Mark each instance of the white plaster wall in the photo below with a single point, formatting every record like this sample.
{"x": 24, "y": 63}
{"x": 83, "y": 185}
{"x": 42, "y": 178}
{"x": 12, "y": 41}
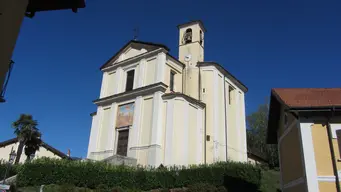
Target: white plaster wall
{"x": 42, "y": 152}
{"x": 213, "y": 83}
{"x": 207, "y": 97}
{"x": 179, "y": 139}
{"x": 111, "y": 83}
{"x": 145, "y": 131}
{"x": 193, "y": 139}
{"x": 150, "y": 71}
{"x": 104, "y": 129}
{"x": 177, "y": 78}
{"x": 132, "y": 53}
{"x": 93, "y": 136}
{"x": 5, "y": 151}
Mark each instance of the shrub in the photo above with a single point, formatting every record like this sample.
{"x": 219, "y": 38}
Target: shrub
{"x": 46, "y": 171}
{"x": 202, "y": 187}
{"x": 13, "y": 169}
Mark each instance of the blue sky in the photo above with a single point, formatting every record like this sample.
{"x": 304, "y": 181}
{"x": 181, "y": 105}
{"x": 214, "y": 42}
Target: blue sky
{"x": 264, "y": 43}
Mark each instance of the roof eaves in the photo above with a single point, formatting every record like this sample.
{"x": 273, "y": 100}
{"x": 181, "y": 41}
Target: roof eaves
{"x": 193, "y": 21}
{"x": 225, "y": 72}
{"x": 8, "y": 142}
{"x": 188, "y": 98}
{"x": 54, "y": 150}
{"x": 126, "y": 45}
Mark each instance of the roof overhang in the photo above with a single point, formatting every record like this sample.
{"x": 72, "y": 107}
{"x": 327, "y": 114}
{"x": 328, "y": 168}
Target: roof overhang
{"x": 152, "y": 46}
{"x": 49, "y": 5}
{"x": 186, "y": 97}
{"x": 238, "y": 83}
{"x": 328, "y": 113}
{"x": 193, "y": 22}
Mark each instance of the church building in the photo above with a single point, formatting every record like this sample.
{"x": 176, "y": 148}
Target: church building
{"x": 157, "y": 109}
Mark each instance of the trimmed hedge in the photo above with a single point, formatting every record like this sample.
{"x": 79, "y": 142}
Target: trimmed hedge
{"x": 13, "y": 170}
{"x": 93, "y": 174}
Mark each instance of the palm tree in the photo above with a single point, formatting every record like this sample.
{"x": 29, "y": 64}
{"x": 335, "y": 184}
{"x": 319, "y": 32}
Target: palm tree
{"x": 28, "y": 135}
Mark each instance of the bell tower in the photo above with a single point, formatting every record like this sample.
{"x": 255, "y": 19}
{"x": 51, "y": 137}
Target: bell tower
{"x": 191, "y": 42}
{"x": 191, "y": 51}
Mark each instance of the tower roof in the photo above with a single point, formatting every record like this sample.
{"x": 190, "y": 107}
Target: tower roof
{"x": 193, "y": 22}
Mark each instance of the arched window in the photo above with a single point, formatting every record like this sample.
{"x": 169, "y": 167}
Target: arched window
{"x": 188, "y": 36}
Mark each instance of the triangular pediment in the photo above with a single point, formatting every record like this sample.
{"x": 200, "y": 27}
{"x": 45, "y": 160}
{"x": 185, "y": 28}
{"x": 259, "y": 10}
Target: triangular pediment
{"x": 133, "y": 49}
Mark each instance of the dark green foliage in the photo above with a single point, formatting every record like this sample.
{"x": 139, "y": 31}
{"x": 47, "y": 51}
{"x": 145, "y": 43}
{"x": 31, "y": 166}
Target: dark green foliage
{"x": 257, "y": 124}
{"x": 92, "y": 174}
{"x": 270, "y": 181}
{"x": 202, "y": 187}
{"x": 28, "y": 134}
{"x": 13, "y": 169}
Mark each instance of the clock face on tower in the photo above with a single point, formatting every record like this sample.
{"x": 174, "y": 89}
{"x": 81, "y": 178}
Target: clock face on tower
{"x": 188, "y": 57}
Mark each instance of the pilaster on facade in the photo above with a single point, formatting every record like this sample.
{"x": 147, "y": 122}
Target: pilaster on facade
{"x": 93, "y": 136}
{"x": 200, "y": 137}
{"x": 186, "y": 134}
{"x": 141, "y": 73}
{"x": 134, "y": 135}
{"x": 243, "y": 141}
{"x": 226, "y": 116}
{"x": 168, "y": 159}
{"x": 238, "y": 123}
{"x": 104, "y": 85}
{"x": 224, "y": 120}
{"x": 112, "y": 128}
{"x": 216, "y": 144}
{"x": 160, "y": 67}
{"x": 118, "y": 80}
{"x": 154, "y": 155}
{"x": 308, "y": 156}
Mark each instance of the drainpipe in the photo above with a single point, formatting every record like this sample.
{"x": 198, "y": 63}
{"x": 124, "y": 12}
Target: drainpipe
{"x": 225, "y": 118}
{"x": 331, "y": 146}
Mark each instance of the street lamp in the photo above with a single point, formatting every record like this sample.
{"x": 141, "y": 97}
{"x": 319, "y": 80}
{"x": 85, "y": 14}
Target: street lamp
{"x": 12, "y": 156}
{"x": 32, "y": 156}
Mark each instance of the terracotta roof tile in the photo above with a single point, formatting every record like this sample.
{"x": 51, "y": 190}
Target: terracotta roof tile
{"x": 309, "y": 97}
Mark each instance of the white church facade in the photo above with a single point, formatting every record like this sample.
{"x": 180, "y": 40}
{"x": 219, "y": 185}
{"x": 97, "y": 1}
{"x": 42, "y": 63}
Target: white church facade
{"x": 157, "y": 109}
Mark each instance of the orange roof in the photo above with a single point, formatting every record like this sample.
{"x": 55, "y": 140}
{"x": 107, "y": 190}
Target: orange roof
{"x": 299, "y": 99}
{"x": 309, "y": 97}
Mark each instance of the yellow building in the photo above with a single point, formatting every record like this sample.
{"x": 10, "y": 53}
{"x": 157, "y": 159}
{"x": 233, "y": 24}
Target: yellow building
{"x": 156, "y": 109}
{"x": 306, "y": 125}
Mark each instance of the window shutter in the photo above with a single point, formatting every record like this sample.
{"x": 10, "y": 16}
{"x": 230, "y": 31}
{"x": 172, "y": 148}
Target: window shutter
{"x": 338, "y": 135}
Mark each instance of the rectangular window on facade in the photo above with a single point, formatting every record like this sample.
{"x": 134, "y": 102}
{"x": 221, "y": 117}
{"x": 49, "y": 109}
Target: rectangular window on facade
{"x": 171, "y": 79}
{"x": 130, "y": 80}
{"x": 338, "y": 135}
{"x": 122, "y": 142}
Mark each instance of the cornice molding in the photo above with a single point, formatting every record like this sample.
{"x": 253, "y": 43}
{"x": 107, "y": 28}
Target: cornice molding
{"x": 142, "y": 91}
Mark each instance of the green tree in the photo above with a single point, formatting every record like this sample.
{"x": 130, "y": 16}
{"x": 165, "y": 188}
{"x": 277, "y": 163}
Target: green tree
{"x": 257, "y": 123}
{"x": 28, "y": 136}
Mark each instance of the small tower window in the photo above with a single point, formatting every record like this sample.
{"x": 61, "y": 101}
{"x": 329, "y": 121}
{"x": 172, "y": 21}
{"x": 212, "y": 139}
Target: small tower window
{"x": 188, "y": 36}
{"x": 201, "y": 37}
